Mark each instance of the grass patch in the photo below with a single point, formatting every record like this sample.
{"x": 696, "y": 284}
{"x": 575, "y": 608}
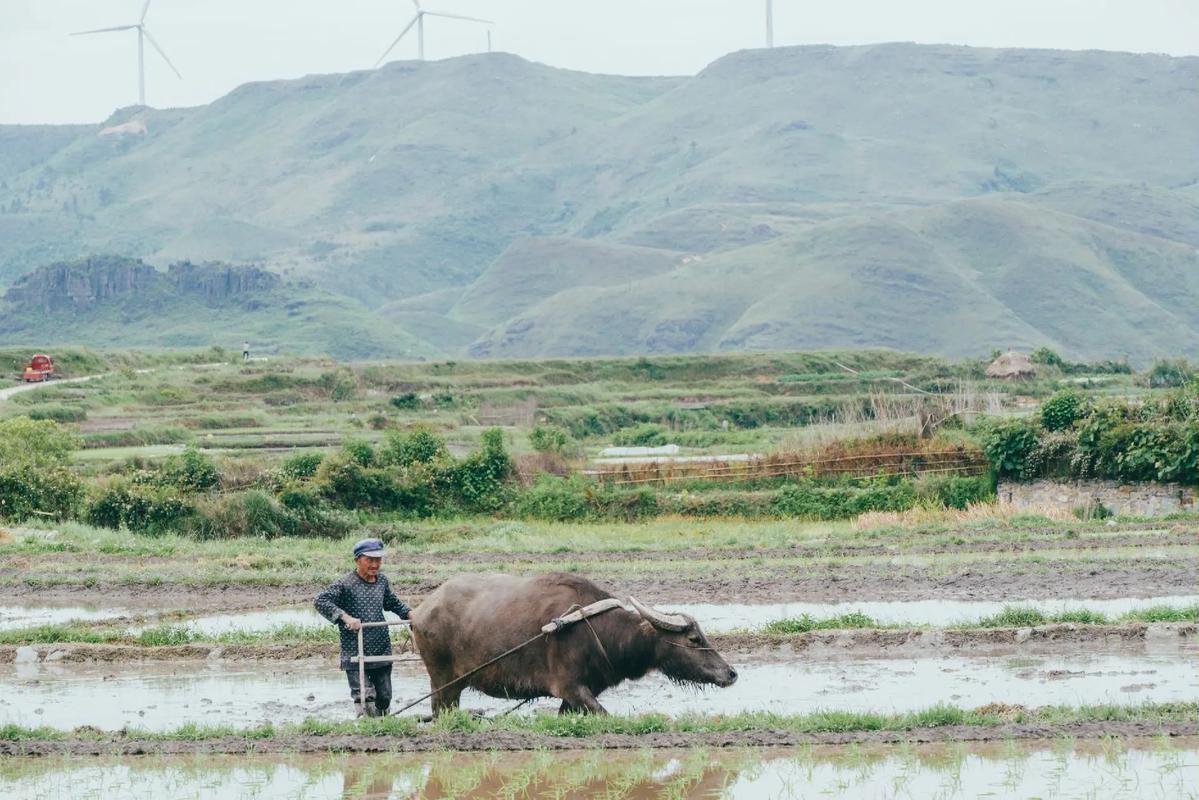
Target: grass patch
{"x": 580, "y": 725}
{"x": 806, "y": 623}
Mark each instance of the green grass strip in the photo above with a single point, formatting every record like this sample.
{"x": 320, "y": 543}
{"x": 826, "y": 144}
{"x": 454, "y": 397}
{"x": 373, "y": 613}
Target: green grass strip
{"x": 581, "y": 725}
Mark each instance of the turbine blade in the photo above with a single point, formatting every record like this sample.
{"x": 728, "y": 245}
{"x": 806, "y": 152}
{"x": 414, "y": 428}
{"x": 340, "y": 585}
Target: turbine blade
{"x": 145, "y": 8}
{"x": 391, "y": 46}
{"x": 105, "y": 30}
{"x": 154, "y": 44}
{"x": 417, "y": 4}
{"x": 459, "y": 16}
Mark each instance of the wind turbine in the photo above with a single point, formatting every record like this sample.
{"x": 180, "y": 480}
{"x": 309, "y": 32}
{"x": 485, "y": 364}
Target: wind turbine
{"x": 770, "y": 23}
{"x": 143, "y": 35}
{"x": 419, "y": 22}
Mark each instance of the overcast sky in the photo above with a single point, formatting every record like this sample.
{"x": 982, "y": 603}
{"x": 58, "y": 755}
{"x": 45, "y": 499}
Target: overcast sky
{"x": 47, "y": 76}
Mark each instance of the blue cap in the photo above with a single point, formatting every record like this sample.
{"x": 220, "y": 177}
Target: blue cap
{"x": 372, "y": 548}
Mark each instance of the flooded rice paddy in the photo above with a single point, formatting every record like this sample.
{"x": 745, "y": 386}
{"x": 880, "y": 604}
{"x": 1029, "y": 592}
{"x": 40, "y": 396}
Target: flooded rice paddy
{"x": 1141, "y": 770}
{"x": 727, "y": 617}
{"x": 160, "y": 696}
{"x": 713, "y": 618}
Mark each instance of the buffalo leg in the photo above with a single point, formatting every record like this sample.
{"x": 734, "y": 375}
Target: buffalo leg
{"x": 580, "y": 700}
{"x": 447, "y": 698}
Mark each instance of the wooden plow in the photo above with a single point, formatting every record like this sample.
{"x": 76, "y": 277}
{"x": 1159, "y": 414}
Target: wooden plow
{"x": 407, "y": 654}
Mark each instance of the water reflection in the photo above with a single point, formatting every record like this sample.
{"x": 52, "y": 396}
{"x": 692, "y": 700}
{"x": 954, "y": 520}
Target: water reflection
{"x": 1143, "y": 769}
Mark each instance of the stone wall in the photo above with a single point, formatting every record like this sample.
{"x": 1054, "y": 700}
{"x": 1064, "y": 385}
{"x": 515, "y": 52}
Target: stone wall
{"x": 1133, "y": 499}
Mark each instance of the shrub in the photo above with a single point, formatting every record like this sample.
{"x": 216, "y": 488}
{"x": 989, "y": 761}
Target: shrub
{"x": 36, "y": 443}
{"x": 346, "y": 482}
{"x": 341, "y": 385}
{"x": 409, "y": 401}
{"x": 576, "y": 499}
{"x": 419, "y": 446}
{"x": 551, "y": 439}
{"x": 27, "y": 491}
{"x": 557, "y": 500}
{"x": 190, "y": 471}
{"x": 301, "y": 467}
{"x": 1008, "y": 444}
{"x": 1167, "y": 373}
{"x": 809, "y": 500}
{"x": 1060, "y": 411}
{"x": 359, "y": 451}
{"x": 480, "y": 476}
{"x": 1043, "y": 355}
{"x": 142, "y": 509}
{"x": 956, "y": 491}
{"x": 256, "y": 513}
{"x": 648, "y": 434}
{"x": 59, "y": 413}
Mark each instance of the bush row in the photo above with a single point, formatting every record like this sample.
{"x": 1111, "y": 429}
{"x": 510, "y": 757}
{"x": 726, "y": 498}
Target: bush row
{"x": 1118, "y": 440}
{"x": 575, "y": 499}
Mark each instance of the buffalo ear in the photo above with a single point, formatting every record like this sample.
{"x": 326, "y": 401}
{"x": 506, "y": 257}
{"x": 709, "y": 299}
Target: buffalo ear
{"x": 666, "y": 622}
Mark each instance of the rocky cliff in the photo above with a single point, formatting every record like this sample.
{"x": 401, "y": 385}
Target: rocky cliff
{"x": 82, "y": 285}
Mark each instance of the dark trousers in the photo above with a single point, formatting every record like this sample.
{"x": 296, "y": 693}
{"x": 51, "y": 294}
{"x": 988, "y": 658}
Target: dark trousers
{"x": 378, "y": 686}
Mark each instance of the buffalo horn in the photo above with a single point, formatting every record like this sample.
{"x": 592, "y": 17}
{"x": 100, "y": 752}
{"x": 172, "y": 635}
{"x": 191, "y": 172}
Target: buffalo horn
{"x": 667, "y": 622}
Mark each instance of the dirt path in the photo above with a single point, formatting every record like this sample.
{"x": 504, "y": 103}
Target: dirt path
{"x": 732, "y": 580}
{"x": 29, "y": 387}
{"x": 511, "y": 741}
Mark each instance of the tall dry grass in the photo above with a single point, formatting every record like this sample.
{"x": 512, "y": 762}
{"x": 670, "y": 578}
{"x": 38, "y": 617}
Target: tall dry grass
{"x": 997, "y": 512}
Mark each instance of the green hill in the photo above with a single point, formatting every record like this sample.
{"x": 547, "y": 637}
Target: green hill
{"x": 937, "y": 198}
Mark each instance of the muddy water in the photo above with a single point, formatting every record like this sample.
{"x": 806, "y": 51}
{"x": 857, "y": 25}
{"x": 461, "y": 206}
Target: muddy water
{"x": 727, "y": 617}
{"x": 1144, "y": 771}
{"x": 161, "y": 697}
{"x": 12, "y": 617}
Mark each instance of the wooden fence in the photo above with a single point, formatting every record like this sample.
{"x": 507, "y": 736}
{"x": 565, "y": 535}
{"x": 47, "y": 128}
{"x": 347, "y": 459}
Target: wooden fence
{"x": 958, "y": 461}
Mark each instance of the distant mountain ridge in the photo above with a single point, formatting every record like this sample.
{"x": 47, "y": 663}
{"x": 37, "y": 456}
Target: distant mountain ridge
{"x": 933, "y": 198}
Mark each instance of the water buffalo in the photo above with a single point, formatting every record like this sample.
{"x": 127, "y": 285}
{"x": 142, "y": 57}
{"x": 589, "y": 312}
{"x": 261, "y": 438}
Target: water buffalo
{"x": 470, "y": 619}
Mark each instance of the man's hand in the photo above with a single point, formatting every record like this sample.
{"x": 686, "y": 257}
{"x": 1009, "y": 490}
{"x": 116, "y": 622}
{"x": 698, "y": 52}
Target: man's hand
{"x": 351, "y": 623}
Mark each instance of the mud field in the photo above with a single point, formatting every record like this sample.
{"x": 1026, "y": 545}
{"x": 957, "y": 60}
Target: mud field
{"x": 124, "y": 699}
{"x": 737, "y": 576}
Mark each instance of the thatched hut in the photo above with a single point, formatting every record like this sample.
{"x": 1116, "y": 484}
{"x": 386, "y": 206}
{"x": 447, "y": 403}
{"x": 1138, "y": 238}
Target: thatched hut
{"x": 1012, "y": 366}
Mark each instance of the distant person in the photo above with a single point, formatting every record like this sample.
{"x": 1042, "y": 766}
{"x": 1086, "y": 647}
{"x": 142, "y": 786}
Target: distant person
{"x": 245, "y": 351}
{"x": 362, "y": 595}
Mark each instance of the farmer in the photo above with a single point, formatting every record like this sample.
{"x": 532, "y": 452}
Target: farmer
{"x": 245, "y": 351}
{"x": 362, "y": 595}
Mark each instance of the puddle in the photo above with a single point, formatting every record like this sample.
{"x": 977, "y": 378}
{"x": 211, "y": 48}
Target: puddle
{"x": 1144, "y": 771}
{"x": 13, "y": 617}
{"x": 161, "y": 697}
{"x": 722, "y": 618}
{"x": 251, "y": 621}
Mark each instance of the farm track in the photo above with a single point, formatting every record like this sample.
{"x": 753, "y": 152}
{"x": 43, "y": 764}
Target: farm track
{"x": 821, "y": 550}
{"x": 514, "y": 741}
{"x": 855, "y": 643}
{"x": 815, "y": 551}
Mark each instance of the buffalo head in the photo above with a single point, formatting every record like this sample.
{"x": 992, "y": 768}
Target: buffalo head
{"x": 682, "y": 652}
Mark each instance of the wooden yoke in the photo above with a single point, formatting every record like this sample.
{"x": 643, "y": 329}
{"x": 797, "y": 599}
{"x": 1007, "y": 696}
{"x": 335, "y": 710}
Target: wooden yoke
{"x": 580, "y": 614}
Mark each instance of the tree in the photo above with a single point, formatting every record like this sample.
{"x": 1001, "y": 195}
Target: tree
{"x": 43, "y": 443}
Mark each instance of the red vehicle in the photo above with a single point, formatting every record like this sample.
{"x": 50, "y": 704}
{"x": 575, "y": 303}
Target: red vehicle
{"x": 40, "y": 368}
